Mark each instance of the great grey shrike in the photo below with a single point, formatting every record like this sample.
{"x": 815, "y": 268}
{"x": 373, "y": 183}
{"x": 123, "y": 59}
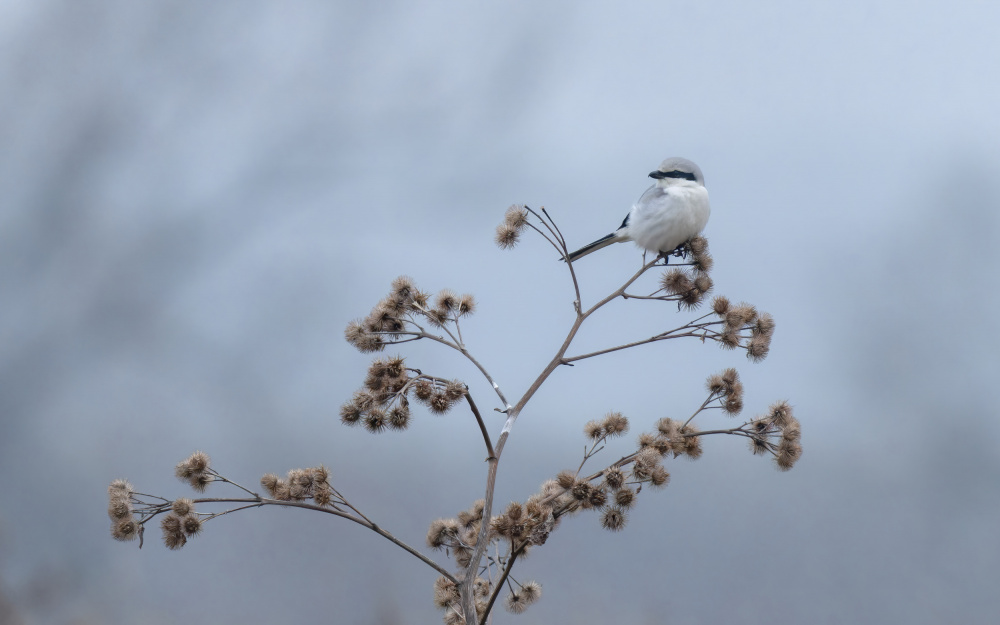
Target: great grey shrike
{"x": 669, "y": 213}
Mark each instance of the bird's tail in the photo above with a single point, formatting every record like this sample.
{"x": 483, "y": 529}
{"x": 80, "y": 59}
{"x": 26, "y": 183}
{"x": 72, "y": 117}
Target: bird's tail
{"x": 596, "y": 245}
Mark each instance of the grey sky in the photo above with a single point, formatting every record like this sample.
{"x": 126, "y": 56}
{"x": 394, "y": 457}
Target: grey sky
{"x": 198, "y": 197}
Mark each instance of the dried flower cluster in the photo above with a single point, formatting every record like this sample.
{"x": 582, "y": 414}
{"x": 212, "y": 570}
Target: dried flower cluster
{"x": 124, "y": 525}
{"x": 397, "y": 317}
{"x": 384, "y": 400}
{"x": 303, "y": 484}
{"x": 743, "y": 326}
{"x": 509, "y": 230}
{"x": 181, "y": 523}
{"x": 196, "y": 471}
{"x": 778, "y": 433}
{"x": 688, "y": 287}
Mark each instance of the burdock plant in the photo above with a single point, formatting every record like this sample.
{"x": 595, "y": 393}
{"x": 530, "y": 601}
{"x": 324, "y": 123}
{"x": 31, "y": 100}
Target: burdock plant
{"x": 486, "y": 540}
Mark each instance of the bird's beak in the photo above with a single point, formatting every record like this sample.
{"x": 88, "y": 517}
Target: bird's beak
{"x": 657, "y": 174}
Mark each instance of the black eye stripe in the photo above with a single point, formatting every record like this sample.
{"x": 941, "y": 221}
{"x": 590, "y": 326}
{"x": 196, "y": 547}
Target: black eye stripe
{"x": 674, "y": 174}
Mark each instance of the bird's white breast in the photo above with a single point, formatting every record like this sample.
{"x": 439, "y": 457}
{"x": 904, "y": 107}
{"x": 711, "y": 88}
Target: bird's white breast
{"x": 665, "y": 217}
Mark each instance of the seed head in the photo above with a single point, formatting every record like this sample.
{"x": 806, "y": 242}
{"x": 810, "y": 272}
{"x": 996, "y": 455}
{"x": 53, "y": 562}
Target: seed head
{"x": 733, "y": 405}
{"x": 466, "y": 305}
{"x": 676, "y": 282}
{"x": 515, "y": 603}
{"x": 507, "y": 236}
{"x": 120, "y": 489}
{"x": 270, "y": 483}
{"x": 780, "y": 413}
{"x": 788, "y": 454}
{"x": 399, "y": 417}
{"x": 697, "y": 245}
{"x": 376, "y": 420}
{"x": 659, "y": 476}
{"x": 173, "y": 534}
{"x": 322, "y": 494}
{"x": 614, "y": 477}
{"x": 764, "y": 326}
{"x": 191, "y": 525}
{"x": 668, "y": 427}
{"x": 625, "y": 498}
{"x": 455, "y": 390}
{"x": 614, "y": 519}
{"x": 423, "y": 389}
{"x": 758, "y": 347}
{"x": 741, "y": 315}
{"x": 597, "y": 497}
{"x": 593, "y": 430}
{"x": 182, "y": 506}
{"x": 720, "y": 305}
{"x": 615, "y": 424}
{"x": 729, "y": 338}
{"x": 125, "y": 529}
{"x": 439, "y": 403}
{"x": 196, "y": 463}
{"x": 441, "y": 533}
{"x": 692, "y": 444}
{"x": 119, "y": 509}
{"x": 403, "y": 288}
{"x": 566, "y": 479}
{"x": 445, "y": 592}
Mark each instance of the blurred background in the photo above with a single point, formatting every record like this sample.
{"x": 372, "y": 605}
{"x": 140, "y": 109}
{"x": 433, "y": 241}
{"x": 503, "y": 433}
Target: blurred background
{"x": 197, "y": 197}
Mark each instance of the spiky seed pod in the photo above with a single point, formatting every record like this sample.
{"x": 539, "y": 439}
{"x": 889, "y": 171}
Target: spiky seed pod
{"x": 395, "y": 366}
{"x": 445, "y": 592}
{"x": 200, "y": 481}
{"x": 729, "y": 338}
{"x": 376, "y": 421}
{"x": 501, "y": 525}
{"x": 597, "y": 498}
{"x": 321, "y": 473}
{"x": 614, "y": 519}
{"x": 702, "y": 263}
{"x": 446, "y": 301}
{"x": 364, "y": 399}
{"x": 453, "y": 616}
{"x": 625, "y": 498}
{"x": 692, "y": 443}
{"x": 282, "y": 491}
{"x": 462, "y": 555}
{"x": 733, "y": 405}
{"x": 788, "y": 453}
{"x": 792, "y": 431}
{"x": 507, "y": 236}
{"x": 614, "y": 477}
{"x": 455, "y": 390}
{"x": 566, "y": 479}
{"x": 593, "y": 430}
{"x": 676, "y": 282}
{"x": 119, "y": 509}
{"x": 399, "y": 417}
{"x": 515, "y": 603}
{"x": 323, "y": 494}
{"x": 668, "y": 427}
{"x": 641, "y": 469}
{"x": 780, "y": 413}
{"x": 758, "y": 347}
{"x": 403, "y": 287}
{"x": 439, "y": 403}
{"x": 125, "y": 529}
{"x": 661, "y": 445}
{"x": 703, "y": 284}
{"x": 741, "y": 315}
{"x": 659, "y": 476}
{"x": 481, "y": 588}
{"x": 581, "y": 491}
{"x": 516, "y": 216}
{"x": 120, "y": 489}
{"x": 720, "y": 305}
{"x": 646, "y": 440}
{"x": 182, "y": 506}
{"x": 764, "y": 326}
{"x": 270, "y": 483}
{"x": 531, "y": 592}
{"x": 442, "y": 533}
{"x": 301, "y": 477}
{"x": 466, "y": 305}
{"x": 691, "y": 299}
{"x": 191, "y": 525}
{"x": 173, "y": 534}
{"x": 423, "y": 389}
{"x": 350, "y": 413}
{"x": 197, "y": 462}
{"x": 515, "y": 511}
{"x": 697, "y": 245}
{"x": 615, "y": 424}
{"x": 759, "y": 446}
{"x": 731, "y": 377}
{"x": 714, "y": 384}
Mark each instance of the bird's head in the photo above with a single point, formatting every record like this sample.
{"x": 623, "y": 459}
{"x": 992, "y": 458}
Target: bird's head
{"x": 677, "y": 170}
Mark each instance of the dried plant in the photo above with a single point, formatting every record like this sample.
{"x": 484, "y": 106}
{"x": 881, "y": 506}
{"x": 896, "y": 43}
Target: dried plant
{"x": 485, "y": 540}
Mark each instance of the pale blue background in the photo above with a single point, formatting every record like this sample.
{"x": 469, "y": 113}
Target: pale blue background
{"x": 198, "y": 196}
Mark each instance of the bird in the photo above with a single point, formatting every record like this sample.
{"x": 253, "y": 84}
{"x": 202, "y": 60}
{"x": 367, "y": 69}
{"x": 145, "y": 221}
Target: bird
{"x": 669, "y": 213}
